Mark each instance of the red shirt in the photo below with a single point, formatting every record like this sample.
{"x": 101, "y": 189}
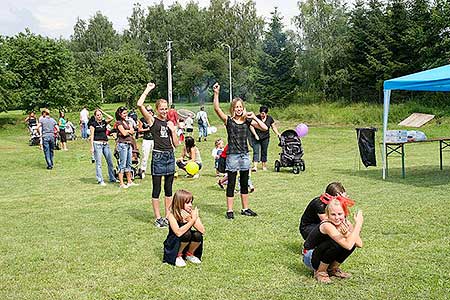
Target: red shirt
{"x": 172, "y": 115}
{"x": 224, "y": 152}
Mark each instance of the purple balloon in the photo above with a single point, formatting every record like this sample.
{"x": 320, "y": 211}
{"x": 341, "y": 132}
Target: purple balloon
{"x": 301, "y": 130}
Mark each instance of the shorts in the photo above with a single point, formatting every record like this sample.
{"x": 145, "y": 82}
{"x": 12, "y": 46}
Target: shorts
{"x": 163, "y": 163}
{"x": 307, "y": 257}
{"x": 237, "y": 162}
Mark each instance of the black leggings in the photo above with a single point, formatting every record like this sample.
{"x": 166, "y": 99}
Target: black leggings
{"x": 156, "y": 189}
{"x": 243, "y": 181}
{"x": 191, "y": 236}
{"x": 328, "y": 252}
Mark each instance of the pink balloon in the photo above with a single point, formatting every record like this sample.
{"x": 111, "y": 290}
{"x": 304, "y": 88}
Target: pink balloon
{"x": 301, "y": 130}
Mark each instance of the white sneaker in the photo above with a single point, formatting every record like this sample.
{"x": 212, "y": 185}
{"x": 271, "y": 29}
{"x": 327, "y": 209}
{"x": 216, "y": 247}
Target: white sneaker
{"x": 132, "y": 184}
{"x": 193, "y": 259}
{"x": 102, "y": 183}
{"x": 196, "y": 176}
{"x": 123, "y": 186}
{"x": 179, "y": 262}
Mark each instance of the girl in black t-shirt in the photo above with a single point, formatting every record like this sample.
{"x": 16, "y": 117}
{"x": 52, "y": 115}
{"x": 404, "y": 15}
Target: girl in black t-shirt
{"x": 100, "y": 146}
{"x": 237, "y": 126}
{"x": 163, "y": 157}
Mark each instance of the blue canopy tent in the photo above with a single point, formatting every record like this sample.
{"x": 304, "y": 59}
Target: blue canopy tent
{"x": 436, "y": 80}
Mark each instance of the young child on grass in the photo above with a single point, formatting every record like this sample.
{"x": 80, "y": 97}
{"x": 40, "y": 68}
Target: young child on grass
{"x": 184, "y": 241}
{"x": 218, "y": 149}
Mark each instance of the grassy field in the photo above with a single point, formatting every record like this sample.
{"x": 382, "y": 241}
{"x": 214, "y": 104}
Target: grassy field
{"x": 64, "y": 237}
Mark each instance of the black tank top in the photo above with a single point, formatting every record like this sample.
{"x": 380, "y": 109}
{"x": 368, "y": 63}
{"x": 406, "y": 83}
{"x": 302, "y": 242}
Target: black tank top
{"x": 316, "y": 237}
{"x": 162, "y": 135}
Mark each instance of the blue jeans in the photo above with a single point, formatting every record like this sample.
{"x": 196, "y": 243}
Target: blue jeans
{"x": 84, "y": 129}
{"x": 125, "y": 152}
{"x": 48, "y": 145}
{"x": 99, "y": 149}
{"x": 307, "y": 259}
{"x": 203, "y": 130}
{"x": 260, "y": 149}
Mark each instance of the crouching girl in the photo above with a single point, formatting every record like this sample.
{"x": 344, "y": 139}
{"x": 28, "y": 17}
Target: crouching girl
{"x": 185, "y": 238}
{"x": 331, "y": 242}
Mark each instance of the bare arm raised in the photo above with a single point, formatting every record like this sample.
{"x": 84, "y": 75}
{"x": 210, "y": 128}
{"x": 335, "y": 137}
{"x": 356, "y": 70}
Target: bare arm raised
{"x": 148, "y": 117}
{"x": 217, "y": 109}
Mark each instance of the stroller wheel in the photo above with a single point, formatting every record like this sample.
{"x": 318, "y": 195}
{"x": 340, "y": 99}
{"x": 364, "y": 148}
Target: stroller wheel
{"x": 277, "y": 166}
{"x": 302, "y": 165}
{"x": 296, "y": 169}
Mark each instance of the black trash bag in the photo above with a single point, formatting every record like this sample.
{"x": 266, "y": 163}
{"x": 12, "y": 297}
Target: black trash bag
{"x": 366, "y": 144}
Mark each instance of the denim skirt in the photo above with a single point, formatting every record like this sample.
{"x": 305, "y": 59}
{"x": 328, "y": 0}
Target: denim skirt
{"x": 163, "y": 163}
{"x": 238, "y": 162}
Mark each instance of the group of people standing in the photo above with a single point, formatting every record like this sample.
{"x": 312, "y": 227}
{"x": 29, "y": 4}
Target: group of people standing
{"x": 330, "y": 237}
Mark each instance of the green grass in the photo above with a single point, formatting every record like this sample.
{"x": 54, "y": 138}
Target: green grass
{"x": 64, "y": 237}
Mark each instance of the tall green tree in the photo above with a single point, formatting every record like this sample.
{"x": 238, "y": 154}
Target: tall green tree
{"x": 39, "y": 72}
{"x": 276, "y": 82}
{"x": 324, "y": 44}
{"x": 124, "y": 74}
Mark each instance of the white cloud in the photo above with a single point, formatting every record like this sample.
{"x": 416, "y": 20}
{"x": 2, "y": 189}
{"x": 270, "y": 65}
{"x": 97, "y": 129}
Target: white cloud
{"x": 55, "y": 18}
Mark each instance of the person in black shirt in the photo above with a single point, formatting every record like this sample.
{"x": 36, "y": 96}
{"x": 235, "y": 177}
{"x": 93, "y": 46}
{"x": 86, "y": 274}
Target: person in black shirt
{"x": 260, "y": 141}
{"x": 315, "y": 211}
{"x": 237, "y": 126}
{"x": 99, "y": 145}
{"x": 163, "y": 157}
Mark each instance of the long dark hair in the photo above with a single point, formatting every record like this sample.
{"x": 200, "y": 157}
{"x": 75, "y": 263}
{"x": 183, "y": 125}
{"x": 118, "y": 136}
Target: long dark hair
{"x": 189, "y": 142}
{"x": 119, "y": 111}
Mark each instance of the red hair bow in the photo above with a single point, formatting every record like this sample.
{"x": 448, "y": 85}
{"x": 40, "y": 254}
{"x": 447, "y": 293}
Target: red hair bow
{"x": 345, "y": 202}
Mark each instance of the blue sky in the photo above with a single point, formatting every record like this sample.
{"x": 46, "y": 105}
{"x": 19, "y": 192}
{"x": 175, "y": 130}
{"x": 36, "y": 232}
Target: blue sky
{"x": 55, "y": 18}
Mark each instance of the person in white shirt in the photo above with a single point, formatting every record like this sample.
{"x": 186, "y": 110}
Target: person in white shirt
{"x": 203, "y": 124}
{"x": 84, "y": 119}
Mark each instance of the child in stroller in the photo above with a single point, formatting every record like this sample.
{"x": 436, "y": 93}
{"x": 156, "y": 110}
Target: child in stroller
{"x": 70, "y": 131}
{"x": 35, "y": 136}
{"x": 291, "y": 152}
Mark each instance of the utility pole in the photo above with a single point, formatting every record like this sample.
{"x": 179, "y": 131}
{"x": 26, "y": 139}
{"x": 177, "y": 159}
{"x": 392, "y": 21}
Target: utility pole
{"x": 169, "y": 72}
{"x": 229, "y": 67}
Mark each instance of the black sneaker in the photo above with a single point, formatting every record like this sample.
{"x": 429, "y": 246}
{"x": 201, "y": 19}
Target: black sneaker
{"x": 248, "y": 212}
{"x": 160, "y": 223}
{"x": 230, "y": 215}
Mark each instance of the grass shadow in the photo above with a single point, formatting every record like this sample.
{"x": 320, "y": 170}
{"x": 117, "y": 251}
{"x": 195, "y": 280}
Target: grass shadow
{"x": 214, "y": 209}
{"x": 139, "y": 215}
{"x": 5, "y": 120}
{"x": 419, "y": 176}
{"x": 296, "y": 265}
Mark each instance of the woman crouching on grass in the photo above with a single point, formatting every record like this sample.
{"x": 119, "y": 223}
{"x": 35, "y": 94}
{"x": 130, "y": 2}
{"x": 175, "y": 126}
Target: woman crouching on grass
{"x": 331, "y": 242}
{"x": 182, "y": 240}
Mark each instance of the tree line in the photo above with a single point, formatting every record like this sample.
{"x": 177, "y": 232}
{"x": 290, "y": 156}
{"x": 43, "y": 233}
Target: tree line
{"x": 335, "y": 52}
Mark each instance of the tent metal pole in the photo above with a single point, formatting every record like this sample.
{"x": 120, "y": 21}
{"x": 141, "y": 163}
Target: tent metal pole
{"x": 387, "y": 98}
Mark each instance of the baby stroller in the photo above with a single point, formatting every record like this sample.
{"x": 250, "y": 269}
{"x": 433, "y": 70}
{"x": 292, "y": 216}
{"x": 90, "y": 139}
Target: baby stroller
{"x": 135, "y": 161}
{"x": 35, "y": 137}
{"x": 291, "y": 152}
{"x": 70, "y": 131}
